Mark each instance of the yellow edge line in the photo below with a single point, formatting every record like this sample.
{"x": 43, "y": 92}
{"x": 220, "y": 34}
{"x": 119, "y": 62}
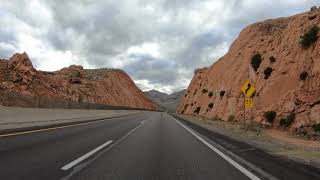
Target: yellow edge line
{"x": 49, "y": 129}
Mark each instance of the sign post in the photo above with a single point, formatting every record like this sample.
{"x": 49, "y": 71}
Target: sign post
{"x": 248, "y": 90}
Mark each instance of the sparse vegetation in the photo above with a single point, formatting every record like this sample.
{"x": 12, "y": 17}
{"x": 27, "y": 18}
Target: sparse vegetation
{"x": 283, "y": 122}
{"x": 256, "y": 61}
{"x": 210, "y": 105}
{"x": 216, "y": 118}
{"x": 222, "y": 93}
{"x": 204, "y": 91}
{"x": 231, "y": 118}
{"x": 316, "y": 127}
{"x": 272, "y": 59}
{"x": 197, "y": 110}
{"x": 303, "y": 75}
{"x": 286, "y": 122}
{"x": 210, "y": 94}
{"x": 291, "y": 117}
{"x": 195, "y": 92}
{"x": 182, "y": 112}
{"x": 310, "y": 37}
{"x": 312, "y": 17}
{"x": 267, "y": 72}
{"x": 270, "y": 116}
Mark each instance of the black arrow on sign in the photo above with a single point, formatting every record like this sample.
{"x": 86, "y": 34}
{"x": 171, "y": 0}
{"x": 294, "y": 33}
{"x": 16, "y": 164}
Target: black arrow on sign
{"x": 248, "y": 87}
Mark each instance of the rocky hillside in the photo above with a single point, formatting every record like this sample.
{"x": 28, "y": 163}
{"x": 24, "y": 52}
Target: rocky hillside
{"x": 282, "y": 58}
{"x": 166, "y": 102}
{"x": 113, "y": 87}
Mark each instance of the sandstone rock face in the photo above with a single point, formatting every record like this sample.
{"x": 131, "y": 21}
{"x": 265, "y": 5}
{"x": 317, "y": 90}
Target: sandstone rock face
{"x": 97, "y": 86}
{"x": 283, "y": 91}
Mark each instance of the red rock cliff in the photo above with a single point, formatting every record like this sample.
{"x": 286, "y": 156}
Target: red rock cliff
{"x": 96, "y": 86}
{"x": 279, "y": 44}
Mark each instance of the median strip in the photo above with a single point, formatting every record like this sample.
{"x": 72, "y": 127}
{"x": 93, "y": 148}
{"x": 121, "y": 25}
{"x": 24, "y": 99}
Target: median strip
{"x": 35, "y": 129}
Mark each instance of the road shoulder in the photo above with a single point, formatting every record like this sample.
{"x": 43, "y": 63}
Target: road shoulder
{"x": 255, "y": 154}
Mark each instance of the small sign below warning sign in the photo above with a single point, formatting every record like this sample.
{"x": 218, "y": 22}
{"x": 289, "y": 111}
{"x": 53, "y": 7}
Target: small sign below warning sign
{"x": 248, "y": 103}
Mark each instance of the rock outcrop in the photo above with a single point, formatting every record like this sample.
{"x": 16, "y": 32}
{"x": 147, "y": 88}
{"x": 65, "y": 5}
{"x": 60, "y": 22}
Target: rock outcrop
{"x": 73, "y": 84}
{"x": 287, "y": 79}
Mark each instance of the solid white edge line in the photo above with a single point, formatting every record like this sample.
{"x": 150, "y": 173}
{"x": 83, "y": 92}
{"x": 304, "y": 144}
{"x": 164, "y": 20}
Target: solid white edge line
{"x": 225, "y": 157}
{"x": 77, "y": 161}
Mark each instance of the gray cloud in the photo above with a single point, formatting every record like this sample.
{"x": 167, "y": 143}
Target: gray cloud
{"x": 159, "y": 43}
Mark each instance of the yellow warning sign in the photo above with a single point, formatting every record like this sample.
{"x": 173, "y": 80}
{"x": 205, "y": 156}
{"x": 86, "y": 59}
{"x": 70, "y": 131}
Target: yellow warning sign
{"x": 247, "y": 88}
{"x": 248, "y": 103}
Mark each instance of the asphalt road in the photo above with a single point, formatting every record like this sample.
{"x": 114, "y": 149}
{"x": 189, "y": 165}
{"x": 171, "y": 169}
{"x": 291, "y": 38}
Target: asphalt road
{"x": 146, "y": 146}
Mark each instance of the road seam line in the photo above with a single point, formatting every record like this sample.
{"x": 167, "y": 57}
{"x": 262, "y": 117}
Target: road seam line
{"x": 85, "y": 156}
{"x": 221, "y": 154}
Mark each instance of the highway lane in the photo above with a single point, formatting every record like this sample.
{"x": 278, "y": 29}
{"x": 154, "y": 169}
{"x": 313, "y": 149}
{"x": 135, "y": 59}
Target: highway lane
{"x": 150, "y": 145}
{"x": 41, "y": 155}
{"x": 161, "y": 149}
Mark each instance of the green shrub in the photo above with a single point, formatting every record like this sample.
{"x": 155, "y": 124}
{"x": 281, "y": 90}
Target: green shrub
{"x": 210, "y": 94}
{"x": 270, "y": 116}
{"x": 291, "y": 117}
{"x": 286, "y": 122}
{"x": 210, "y": 105}
{"x": 316, "y": 127}
{"x": 204, "y": 91}
{"x": 222, "y": 93}
{"x": 272, "y": 59}
{"x": 195, "y": 92}
{"x": 304, "y": 75}
{"x": 197, "y": 110}
{"x": 186, "y": 106}
{"x": 309, "y": 37}
{"x": 267, "y": 72}
{"x": 256, "y": 61}
{"x": 283, "y": 122}
{"x": 231, "y": 118}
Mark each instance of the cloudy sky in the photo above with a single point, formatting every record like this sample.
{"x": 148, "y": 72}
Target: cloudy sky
{"x": 158, "y": 43}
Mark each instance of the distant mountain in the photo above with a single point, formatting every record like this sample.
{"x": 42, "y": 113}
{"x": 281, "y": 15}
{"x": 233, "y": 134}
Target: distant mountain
{"x": 166, "y": 102}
